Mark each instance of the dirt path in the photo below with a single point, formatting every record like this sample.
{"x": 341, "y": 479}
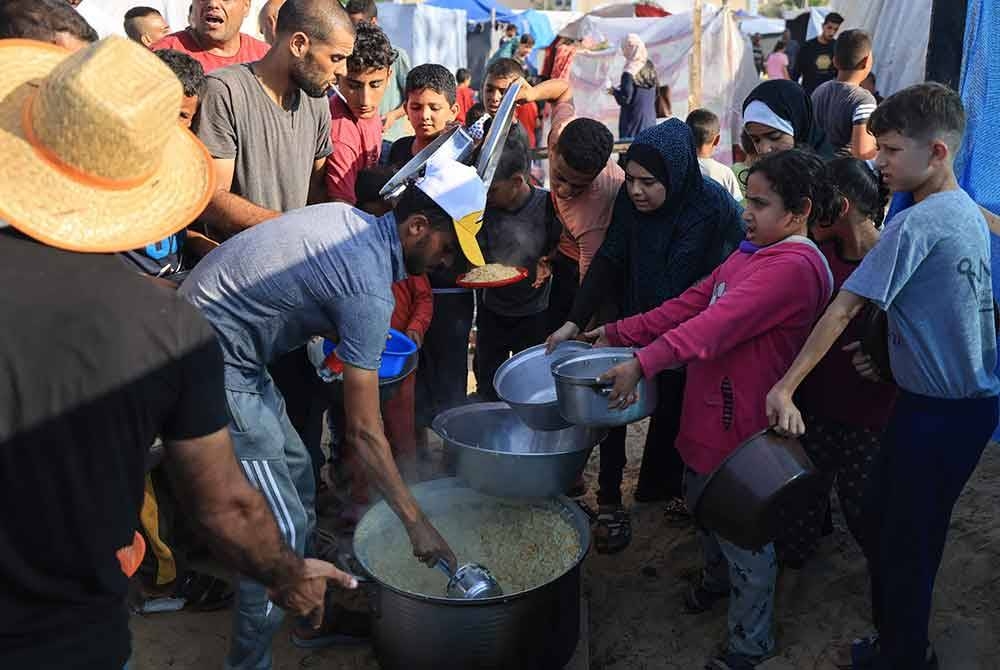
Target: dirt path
{"x": 637, "y": 621}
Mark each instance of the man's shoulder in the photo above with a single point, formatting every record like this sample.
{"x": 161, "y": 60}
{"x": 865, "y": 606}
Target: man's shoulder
{"x": 251, "y": 48}
{"x": 180, "y": 41}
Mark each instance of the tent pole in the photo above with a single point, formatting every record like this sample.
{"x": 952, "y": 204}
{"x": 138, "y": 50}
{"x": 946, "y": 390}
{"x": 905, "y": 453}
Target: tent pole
{"x": 694, "y": 69}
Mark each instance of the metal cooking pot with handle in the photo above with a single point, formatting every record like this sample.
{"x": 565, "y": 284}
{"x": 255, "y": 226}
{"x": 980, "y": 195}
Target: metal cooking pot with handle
{"x": 525, "y": 382}
{"x": 535, "y": 629}
{"x": 584, "y": 401}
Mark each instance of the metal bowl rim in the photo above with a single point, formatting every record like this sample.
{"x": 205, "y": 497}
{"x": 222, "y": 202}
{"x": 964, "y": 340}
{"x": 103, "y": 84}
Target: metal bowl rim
{"x": 602, "y": 352}
{"x": 523, "y": 357}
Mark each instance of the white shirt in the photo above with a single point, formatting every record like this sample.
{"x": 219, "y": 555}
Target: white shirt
{"x": 721, "y": 173}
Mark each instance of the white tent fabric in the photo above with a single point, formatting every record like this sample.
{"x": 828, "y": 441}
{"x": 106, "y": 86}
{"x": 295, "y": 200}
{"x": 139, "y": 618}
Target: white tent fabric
{"x": 429, "y": 34}
{"x": 762, "y": 26}
{"x": 900, "y": 32}
{"x": 728, "y": 73}
{"x": 107, "y": 16}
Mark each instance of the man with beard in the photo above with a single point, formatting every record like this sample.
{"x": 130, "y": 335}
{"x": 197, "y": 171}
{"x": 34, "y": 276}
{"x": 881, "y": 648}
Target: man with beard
{"x": 267, "y": 124}
{"x": 324, "y": 270}
{"x": 214, "y": 38}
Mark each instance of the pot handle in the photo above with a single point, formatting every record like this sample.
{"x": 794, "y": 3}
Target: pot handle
{"x": 603, "y": 388}
{"x": 345, "y": 562}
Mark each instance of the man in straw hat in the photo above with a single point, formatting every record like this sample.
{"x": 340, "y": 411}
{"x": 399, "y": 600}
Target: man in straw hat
{"x": 98, "y": 360}
{"x": 325, "y": 270}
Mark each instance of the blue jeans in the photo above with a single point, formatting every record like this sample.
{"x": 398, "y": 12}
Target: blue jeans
{"x": 930, "y": 450}
{"x": 750, "y": 577}
{"x": 277, "y": 463}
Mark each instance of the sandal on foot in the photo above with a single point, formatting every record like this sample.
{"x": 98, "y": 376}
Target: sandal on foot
{"x": 676, "y": 511}
{"x": 699, "y": 600}
{"x": 202, "y": 592}
{"x": 341, "y": 628}
{"x": 733, "y": 661}
{"x": 613, "y": 531}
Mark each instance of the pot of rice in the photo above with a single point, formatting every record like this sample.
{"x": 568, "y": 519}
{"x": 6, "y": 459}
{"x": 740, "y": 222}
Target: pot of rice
{"x": 534, "y": 549}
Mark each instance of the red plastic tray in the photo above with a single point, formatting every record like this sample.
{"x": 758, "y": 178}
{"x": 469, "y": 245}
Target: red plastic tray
{"x": 521, "y": 274}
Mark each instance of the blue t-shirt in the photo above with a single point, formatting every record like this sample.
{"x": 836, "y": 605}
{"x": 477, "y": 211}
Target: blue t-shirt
{"x": 322, "y": 269}
{"x": 930, "y": 272}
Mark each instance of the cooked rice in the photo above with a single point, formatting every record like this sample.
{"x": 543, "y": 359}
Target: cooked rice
{"x": 491, "y": 272}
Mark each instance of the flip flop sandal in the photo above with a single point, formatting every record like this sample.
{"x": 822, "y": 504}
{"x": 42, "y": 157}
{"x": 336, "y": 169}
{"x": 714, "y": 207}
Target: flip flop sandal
{"x": 341, "y": 628}
{"x": 203, "y": 592}
{"x": 733, "y": 661}
{"x": 676, "y": 511}
{"x": 613, "y": 529}
{"x": 699, "y": 600}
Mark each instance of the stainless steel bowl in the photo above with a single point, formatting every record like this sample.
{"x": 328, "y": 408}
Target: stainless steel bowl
{"x": 583, "y": 401}
{"x": 498, "y": 454}
{"x": 525, "y": 382}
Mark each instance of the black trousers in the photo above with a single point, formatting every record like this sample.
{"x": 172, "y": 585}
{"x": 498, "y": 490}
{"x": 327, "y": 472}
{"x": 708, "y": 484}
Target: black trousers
{"x": 565, "y": 283}
{"x": 443, "y": 372}
{"x": 662, "y": 469}
{"x": 497, "y": 337}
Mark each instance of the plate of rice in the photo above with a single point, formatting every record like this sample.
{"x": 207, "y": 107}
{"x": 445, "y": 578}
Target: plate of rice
{"x": 491, "y": 275}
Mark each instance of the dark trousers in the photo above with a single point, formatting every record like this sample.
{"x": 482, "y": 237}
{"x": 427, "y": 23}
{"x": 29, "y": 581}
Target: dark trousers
{"x": 305, "y": 400}
{"x": 497, "y": 337}
{"x": 662, "y": 470}
{"x": 931, "y": 448}
{"x": 443, "y": 373}
{"x": 565, "y": 283}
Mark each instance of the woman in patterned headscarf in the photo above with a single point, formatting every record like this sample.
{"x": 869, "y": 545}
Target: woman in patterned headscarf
{"x": 637, "y": 92}
{"x": 670, "y": 227}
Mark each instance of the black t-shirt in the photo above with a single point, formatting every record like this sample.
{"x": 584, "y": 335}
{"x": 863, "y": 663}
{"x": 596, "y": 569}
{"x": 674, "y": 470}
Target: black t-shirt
{"x": 96, "y": 361}
{"x": 815, "y": 64}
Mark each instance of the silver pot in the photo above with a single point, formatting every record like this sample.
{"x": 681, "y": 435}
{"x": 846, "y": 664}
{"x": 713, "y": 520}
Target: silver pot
{"x": 525, "y": 382}
{"x": 583, "y": 400}
{"x": 496, "y": 453}
{"x": 536, "y": 629}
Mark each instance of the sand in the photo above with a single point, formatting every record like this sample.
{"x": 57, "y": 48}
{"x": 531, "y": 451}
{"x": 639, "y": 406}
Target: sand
{"x": 637, "y": 621}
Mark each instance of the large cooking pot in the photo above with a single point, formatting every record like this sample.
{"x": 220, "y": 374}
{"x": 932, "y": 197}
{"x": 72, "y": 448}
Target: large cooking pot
{"x": 583, "y": 400}
{"x": 532, "y": 629}
{"x": 497, "y": 454}
{"x": 742, "y": 500}
{"x": 525, "y": 382}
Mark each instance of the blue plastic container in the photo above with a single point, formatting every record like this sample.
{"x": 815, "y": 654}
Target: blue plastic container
{"x": 398, "y": 348}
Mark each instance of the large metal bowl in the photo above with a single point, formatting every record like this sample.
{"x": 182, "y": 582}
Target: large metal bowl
{"x": 496, "y": 453}
{"x": 583, "y": 401}
{"x": 525, "y": 382}
{"x": 742, "y": 500}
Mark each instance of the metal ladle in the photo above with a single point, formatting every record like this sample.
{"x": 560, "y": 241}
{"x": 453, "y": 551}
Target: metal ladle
{"x": 471, "y": 581}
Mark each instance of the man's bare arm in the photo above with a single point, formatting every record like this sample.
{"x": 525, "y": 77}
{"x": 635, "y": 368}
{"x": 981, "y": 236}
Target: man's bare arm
{"x": 317, "y": 183}
{"x": 227, "y": 213}
{"x": 365, "y": 433}
{"x": 553, "y": 90}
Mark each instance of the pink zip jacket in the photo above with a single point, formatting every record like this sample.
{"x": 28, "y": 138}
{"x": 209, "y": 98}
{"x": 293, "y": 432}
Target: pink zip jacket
{"x": 738, "y": 330}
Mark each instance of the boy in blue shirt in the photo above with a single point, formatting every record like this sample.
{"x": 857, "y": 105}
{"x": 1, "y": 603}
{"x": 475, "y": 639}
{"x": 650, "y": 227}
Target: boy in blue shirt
{"x": 930, "y": 272}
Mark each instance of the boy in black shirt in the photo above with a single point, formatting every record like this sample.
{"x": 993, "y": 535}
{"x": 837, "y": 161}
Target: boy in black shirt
{"x": 815, "y": 61}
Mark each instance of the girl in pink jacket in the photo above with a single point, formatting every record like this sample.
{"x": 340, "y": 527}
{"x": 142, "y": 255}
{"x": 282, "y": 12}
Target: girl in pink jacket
{"x": 737, "y": 331}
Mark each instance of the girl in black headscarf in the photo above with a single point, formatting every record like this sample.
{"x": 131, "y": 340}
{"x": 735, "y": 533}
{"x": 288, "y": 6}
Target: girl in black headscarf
{"x": 778, "y": 115}
{"x": 670, "y": 227}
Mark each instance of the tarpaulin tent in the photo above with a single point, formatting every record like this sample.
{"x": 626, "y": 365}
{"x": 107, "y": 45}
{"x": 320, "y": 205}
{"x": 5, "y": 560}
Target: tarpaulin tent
{"x": 429, "y": 34}
{"x": 728, "y": 73}
{"x": 478, "y": 10}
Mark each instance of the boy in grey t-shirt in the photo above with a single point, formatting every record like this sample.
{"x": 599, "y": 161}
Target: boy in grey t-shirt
{"x": 842, "y": 107}
{"x": 930, "y": 272}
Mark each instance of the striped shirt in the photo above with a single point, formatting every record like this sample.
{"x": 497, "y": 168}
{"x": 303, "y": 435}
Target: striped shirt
{"x": 838, "y": 107}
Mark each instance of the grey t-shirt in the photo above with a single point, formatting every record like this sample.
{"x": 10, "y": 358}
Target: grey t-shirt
{"x": 930, "y": 272}
{"x": 520, "y": 238}
{"x": 838, "y": 107}
{"x": 316, "y": 270}
{"x": 274, "y": 148}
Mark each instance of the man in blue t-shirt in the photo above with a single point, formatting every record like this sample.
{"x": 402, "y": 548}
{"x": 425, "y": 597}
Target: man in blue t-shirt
{"x": 930, "y": 272}
{"x": 324, "y": 270}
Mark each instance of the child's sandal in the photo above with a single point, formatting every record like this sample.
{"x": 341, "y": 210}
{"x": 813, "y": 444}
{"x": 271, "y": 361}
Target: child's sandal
{"x": 613, "y": 530}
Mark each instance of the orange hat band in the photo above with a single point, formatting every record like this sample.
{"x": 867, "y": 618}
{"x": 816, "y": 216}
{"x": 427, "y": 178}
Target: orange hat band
{"x": 71, "y": 171}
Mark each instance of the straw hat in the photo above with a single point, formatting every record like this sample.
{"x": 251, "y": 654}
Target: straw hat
{"x": 93, "y": 157}
{"x": 458, "y": 190}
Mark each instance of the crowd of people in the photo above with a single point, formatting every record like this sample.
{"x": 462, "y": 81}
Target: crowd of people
{"x": 188, "y": 216}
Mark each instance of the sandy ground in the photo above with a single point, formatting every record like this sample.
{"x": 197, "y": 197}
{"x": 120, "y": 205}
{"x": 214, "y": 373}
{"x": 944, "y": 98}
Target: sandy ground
{"x": 637, "y": 621}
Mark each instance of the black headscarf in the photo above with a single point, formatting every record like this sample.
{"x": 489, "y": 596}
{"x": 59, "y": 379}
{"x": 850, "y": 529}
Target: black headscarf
{"x": 790, "y": 101}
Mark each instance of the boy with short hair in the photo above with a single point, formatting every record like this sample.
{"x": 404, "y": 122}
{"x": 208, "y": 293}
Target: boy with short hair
{"x": 500, "y": 75}
{"x": 930, "y": 271}
{"x": 815, "y": 60}
{"x": 355, "y": 124}
{"x": 465, "y": 97}
{"x": 704, "y": 125}
{"x": 520, "y": 229}
{"x": 430, "y": 102}
{"x": 842, "y": 106}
